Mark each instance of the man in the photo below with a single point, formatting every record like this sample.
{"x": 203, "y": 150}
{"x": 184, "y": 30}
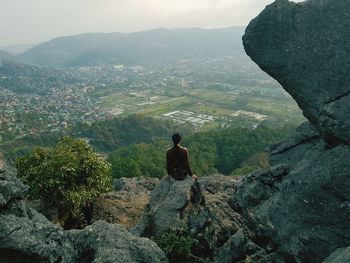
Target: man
{"x": 177, "y": 160}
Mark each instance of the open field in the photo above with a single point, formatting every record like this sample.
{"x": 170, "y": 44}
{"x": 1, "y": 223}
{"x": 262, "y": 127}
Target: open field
{"x": 230, "y": 105}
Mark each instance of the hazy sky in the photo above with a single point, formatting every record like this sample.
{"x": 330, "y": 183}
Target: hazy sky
{"x": 32, "y": 21}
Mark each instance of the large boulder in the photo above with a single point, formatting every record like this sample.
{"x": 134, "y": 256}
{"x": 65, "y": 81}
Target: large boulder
{"x": 302, "y": 203}
{"x": 305, "y": 47}
{"x": 27, "y": 236}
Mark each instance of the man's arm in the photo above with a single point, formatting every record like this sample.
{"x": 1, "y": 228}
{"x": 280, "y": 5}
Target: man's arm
{"x": 188, "y": 167}
{"x": 167, "y": 163}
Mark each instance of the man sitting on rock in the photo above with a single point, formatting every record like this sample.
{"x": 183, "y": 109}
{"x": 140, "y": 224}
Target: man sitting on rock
{"x": 177, "y": 160}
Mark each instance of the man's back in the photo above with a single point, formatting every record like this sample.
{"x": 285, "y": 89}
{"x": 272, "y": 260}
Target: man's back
{"x": 178, "y": 162}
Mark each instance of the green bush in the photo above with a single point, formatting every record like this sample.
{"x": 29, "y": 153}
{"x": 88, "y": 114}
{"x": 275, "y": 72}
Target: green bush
{"x": 178, "y": 246}
{"x": 69, "y": 176}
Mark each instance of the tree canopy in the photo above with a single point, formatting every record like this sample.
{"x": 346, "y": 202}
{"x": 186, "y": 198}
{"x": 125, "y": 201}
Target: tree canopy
{"x": 227, "y": 151}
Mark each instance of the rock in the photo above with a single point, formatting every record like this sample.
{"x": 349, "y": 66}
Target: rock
{"x": 124, "y": 208}
{"x": 301, "y": 206}
{"x": 305, "y": 47}
{"x": 203, "y": 209}
{"x": 27, "y": 236}
{"x": 127, "y": 203}
{"x": 234, "y": 249}
{"x": 104, "y": 242}
{"x": 292, "y": 150}
{"x": 139, "y": 184}
{"x": 259, "y": 187}
{"x": 11, "y": 188}
{"x": 305, "y": 209}
{"x": 165, "y": 210}
{"x": 341, "y": 255}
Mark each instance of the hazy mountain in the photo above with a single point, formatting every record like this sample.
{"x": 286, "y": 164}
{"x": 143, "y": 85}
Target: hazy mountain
{"x": 6, "y": 56}
{"x": 160, "y": 45}
{"x": 24, "y": 78}
{"x": 18, "y": 49}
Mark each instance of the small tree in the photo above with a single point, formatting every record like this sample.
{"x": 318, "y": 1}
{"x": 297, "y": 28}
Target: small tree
{"x": 69, "y": 176}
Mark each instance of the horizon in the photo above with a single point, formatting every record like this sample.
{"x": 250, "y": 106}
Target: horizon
{"x": 39, "y": 21}
{"x": 118, "y": 32}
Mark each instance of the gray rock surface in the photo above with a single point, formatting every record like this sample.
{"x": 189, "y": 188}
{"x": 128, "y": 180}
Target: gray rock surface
{"x": 27, "y": 236}
{"x": 304, "y": 205}
{"x": 139, "y": 184}
{"x": 305, "y": 46}
{"x": 301, "y": 206}
{"x": 203, "y": 209}
{"x": 341, "y": 255}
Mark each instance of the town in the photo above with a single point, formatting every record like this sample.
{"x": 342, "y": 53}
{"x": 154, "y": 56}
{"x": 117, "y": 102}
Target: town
{"x": 188, "y": 92}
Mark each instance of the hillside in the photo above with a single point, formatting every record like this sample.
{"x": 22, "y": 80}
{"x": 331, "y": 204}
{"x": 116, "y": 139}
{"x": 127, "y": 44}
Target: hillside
{"x": 6, "y": 56}
{"x": 231, "y": 151}
{"x": 106, "y": 136}
{"x": 25, "y": 78}
{"x": 160, "y": 45}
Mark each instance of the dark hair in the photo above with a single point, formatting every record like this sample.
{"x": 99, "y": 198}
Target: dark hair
{"x": 176, "y": 138}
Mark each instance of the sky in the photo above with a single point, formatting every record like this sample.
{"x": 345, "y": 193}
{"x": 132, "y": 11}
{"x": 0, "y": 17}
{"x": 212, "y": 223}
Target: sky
{"x": 35, "y": 21}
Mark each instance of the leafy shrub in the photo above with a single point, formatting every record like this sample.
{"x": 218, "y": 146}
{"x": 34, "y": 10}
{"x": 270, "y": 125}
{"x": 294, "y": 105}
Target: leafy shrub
{"x": 69, "y": 176}
{"x": 178, "y": 246}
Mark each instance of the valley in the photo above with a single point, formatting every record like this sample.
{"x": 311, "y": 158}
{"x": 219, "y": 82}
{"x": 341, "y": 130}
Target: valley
{"x": 189, "y": 93}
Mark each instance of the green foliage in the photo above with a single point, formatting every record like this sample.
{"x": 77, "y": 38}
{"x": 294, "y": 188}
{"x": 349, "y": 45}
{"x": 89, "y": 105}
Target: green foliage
{"x": 177, "y": 245}
{"x": 231, "y": 151}
{"x": 19, "y": 147}
{"x": 69, "y": 176}
{"x": 235, "y": 146}
{"x": 139, "y": 160}
{"x": 108, "y": 135}
{"x": 228, "y": 149}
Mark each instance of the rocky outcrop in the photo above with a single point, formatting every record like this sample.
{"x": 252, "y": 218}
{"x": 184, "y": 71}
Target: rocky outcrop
{"x": 126, "y": 204}
{"x": 305, "y": 46}
{"x": 203, "y": 209}
{"x": 27, "y": 236}
{"x": 301, "y": 206}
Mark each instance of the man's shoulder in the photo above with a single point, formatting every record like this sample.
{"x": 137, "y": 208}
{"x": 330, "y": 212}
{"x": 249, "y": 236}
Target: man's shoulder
{"x": 170, "y": 149}
{"x": 184, "y": 149}
{"x": 179, "y": 148}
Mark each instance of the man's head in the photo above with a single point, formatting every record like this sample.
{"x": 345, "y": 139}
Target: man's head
{"x": 176, "y": 138}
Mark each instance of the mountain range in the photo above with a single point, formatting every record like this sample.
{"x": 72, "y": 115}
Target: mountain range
{"x": 159, "y": 45}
